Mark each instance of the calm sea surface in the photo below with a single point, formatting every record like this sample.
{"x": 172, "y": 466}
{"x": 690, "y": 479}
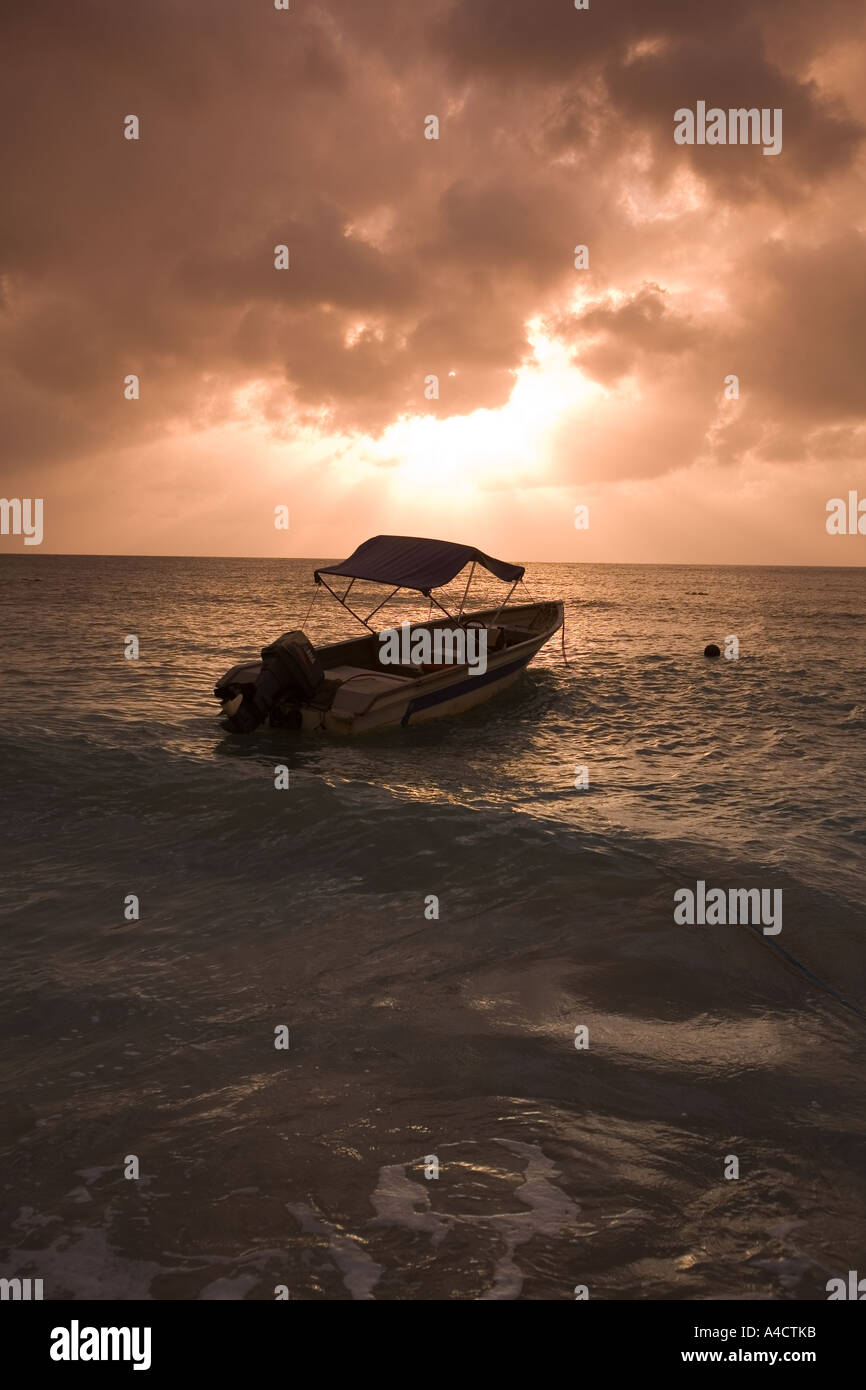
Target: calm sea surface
{"x": 410, "y": 1037}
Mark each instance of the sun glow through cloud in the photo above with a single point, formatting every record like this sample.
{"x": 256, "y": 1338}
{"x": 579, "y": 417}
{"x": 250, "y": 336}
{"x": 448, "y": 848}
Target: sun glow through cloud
{"x": 469, "y": 454}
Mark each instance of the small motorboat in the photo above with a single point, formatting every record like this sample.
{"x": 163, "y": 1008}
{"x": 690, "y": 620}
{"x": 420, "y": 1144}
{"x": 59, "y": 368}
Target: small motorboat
{"x": 392, "y": 676}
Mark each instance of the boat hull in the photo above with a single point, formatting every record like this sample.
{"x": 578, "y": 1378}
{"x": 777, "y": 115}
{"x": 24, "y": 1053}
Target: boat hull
{"x": 452, "y": 691}
{"x": 371, "y": 697}
{"x": 418, "y": 707}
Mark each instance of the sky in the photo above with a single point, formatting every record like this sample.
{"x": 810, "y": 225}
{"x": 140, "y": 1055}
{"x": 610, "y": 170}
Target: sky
{"x": 698, "y": 387}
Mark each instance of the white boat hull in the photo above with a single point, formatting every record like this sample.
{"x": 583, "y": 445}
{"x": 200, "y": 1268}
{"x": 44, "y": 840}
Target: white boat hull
{"x": 363, "y": 695}
{"x": 447, "y": 692}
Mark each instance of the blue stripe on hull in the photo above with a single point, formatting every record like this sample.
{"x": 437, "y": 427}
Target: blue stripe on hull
{"x": 437, "y": 697}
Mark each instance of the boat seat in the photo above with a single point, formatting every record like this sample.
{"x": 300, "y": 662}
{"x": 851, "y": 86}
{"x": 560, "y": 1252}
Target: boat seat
{"x": 412, "y": 671}
{"x": 345, "y": 673}
{"x": 356, "y": 693}
{"x": 496, "y": 635}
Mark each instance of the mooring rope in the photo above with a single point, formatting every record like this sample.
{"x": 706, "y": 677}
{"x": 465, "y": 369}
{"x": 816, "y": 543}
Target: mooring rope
{"x": 810, "y": 974}
{"x": 312, "y": 601}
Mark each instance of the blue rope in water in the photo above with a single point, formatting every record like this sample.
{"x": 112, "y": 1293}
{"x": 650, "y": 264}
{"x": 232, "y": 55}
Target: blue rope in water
{"x": 810, "y": 974}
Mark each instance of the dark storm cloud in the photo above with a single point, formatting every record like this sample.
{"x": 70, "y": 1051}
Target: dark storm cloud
{"x": 652, "y": 59}
{"x": 408, "y": 257}
{"x": 613, "y": 338}
{"x": 551, "y": 40}
{"x": 811, "y": 305}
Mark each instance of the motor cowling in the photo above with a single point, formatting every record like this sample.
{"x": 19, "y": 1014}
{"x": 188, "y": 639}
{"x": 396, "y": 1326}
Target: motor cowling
{"x": 290, "y": 673}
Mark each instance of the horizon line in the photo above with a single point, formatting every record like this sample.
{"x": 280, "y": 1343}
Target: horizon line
{"x": 670, "y": 564}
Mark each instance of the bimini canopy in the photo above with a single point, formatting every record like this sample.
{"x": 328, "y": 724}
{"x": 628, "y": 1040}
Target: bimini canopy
{"x": 410, "y": 562}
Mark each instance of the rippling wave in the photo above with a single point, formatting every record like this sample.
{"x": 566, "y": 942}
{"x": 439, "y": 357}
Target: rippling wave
{"x": 415, "y": 1034}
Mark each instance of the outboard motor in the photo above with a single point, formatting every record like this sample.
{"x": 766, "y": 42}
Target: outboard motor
{"x": 290, "y": 672}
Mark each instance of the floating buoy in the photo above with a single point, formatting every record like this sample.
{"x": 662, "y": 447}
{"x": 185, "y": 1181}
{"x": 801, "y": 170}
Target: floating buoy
{"x": 711, "y": 650}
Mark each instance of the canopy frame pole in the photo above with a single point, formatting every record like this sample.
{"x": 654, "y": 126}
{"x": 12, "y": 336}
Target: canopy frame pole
{"x": 439, "y": 606}
{"x": 466, "y": 591}
{"x": 343, "y": 604}
{"x": 505, "y": 600}
{"x": 384, "y": 601}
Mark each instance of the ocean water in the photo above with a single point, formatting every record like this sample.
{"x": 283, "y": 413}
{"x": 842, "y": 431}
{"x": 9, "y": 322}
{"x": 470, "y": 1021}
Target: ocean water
{"x": 603, "y": 1166}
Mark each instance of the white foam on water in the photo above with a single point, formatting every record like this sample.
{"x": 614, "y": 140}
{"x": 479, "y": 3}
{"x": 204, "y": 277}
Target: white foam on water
{"x": 229, "y": 1288}
{"x": 551, "y": 1211}
{"x": 401, "y": 1201}
{"x": 397, "y": 1199}
{"x": 360, "y": 1271}
{"x": 29, "y": 1218}
{"x": 91, "y": 1175}
{"x": 83, "y": 1265}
